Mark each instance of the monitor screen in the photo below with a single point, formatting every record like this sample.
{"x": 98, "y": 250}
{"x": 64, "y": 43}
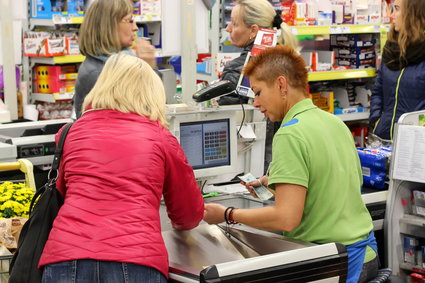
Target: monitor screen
{"x": 209, "y": 141}
{"x": 206, "y": 143}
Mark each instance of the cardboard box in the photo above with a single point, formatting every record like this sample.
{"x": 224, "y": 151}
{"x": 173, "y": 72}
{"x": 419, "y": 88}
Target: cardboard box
{"x": 324, "y": 100}
{"x": 54, "y": 86}
{"x": 62, "y": 72}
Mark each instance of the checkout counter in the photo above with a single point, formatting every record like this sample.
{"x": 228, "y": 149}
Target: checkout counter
{"x": 217, "y": 253}
{"x": 34, "y": 141}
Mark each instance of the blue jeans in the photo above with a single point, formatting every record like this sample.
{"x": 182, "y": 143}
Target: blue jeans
{"x": 94, "y": 271}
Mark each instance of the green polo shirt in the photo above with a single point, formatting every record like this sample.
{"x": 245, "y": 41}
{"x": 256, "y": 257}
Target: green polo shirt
{"x": 315, "y": 149}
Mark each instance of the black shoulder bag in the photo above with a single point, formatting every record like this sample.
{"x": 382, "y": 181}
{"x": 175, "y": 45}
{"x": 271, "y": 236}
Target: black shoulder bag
{"x": 35, "y": 232}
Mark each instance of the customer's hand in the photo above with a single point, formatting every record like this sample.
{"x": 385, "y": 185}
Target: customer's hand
{"x": 214, "y": 213}
{"x": 146, "y": 51}
{"x": 250, "y": 186}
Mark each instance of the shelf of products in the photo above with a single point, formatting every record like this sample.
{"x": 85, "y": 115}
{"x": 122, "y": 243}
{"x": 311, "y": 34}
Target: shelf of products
{"x": 353, "y": 116}
{"x": 338, "y": 29}
{"x": 411, "y": 267}
{"x": 147, "y": 18}
{"x": 67, "y": 59}
{"x": 51, "y": 97}
{"x": 413, "y": 220}
{"x": 56, "y": 21}
{"x": 341, "y": 75}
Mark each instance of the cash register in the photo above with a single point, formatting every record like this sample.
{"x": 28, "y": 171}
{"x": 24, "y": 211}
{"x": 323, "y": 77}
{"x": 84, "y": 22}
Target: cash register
{"x": 34, "y": 141}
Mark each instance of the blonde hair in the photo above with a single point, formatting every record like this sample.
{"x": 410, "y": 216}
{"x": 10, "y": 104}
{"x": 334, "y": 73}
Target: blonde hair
{"x": 412, "y": 28}
{"x": 99, "y": 31}
{"x": 129, "y": 85}
{"x": 262, "y": 13}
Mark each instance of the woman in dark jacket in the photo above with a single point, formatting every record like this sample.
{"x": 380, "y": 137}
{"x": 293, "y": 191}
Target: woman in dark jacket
{"x": 247, "y": 17}
{"x": 400, "y": 83}
{"x": 108, "y": 28}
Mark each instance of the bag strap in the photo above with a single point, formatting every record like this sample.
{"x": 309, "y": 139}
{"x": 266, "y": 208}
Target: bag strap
{"x": 58, "y": 150}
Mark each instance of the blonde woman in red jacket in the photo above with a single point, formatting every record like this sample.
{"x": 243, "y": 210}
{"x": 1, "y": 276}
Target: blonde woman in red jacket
{"x": 118, "y": 161}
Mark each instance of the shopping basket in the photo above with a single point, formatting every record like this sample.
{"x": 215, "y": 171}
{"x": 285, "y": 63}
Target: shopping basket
{"x": 4, "y": 267}
{"x": 25, "y": 166}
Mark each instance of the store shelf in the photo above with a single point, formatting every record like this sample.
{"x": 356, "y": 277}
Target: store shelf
{"x": 412, "y": 225}
{"x": 44, "y": 97}
{"x": 335, "y": 29}
{"x": 57, "y": 59}
{"x": 147, "y": 18}
{"x": 56, "y": 21}
{"x": 375, "y": 197}
{"x": 413, "y": 220}
{"x": 341, "y": 75}
{"x": 411, "y": 267}
{"x": 51, "y": 97}
{"x": 353, "y": 116}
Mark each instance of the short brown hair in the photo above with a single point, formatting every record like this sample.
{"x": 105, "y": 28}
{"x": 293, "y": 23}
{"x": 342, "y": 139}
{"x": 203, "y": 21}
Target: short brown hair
{"x": 98, "y": 33}
{"x": 278, "y": 61}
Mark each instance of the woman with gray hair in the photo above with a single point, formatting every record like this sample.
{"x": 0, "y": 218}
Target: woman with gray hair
{"x": 108, "y": 28}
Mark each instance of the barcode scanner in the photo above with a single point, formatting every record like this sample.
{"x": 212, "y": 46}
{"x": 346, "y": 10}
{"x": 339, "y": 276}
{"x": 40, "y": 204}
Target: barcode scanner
{"x": 213, "y": 90}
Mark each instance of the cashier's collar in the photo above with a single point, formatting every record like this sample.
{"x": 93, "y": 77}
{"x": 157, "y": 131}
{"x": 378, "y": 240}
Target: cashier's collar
{"x": 301, "y": 106}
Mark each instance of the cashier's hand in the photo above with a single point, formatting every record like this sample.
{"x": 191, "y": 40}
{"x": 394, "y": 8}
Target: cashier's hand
{"x": 250, "y": 186}
{"x": 146, "y": 51}
{"x": 214, "y": 213}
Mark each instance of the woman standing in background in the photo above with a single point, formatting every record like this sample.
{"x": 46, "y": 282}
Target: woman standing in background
{"x": 108, "y": 28}
{"x": 247, "y": 17}
{"x": 400, "y": 83}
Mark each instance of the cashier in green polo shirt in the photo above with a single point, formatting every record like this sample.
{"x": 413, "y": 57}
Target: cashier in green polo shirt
{"x": 315, "y": 171}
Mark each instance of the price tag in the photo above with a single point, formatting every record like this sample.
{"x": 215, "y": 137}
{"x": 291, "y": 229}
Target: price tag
{"x": 138, "y": 19}
{"x": 377, "y": 28}
{"x": 335, "y": 30}
{"x": 62, "y": 20}
{"x": 345, "y": 29}
{"x": 294, "y": 31}
{"x": 63, "y": 96}
{"x": 156, "y": 18}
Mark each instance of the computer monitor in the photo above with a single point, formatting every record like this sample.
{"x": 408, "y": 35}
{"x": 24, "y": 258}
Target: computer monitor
{"x": 208, "y": 140}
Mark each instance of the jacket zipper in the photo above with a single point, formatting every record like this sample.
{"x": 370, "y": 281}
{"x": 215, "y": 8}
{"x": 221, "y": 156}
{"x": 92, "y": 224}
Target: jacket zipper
{"x": 376, "y": 124}
{"x": 395, "y": 104}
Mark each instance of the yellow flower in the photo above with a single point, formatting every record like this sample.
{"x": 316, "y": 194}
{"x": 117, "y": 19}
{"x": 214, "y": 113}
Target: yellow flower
{"x": 15, "y": 199}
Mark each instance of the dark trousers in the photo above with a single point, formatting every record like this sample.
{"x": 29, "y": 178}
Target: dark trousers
{"x": 94, "y": 271}
{"x": 369, "y": 270}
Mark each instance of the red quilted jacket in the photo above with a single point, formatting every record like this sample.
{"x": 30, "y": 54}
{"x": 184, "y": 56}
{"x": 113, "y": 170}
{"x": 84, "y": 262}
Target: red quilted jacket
{"x": 114, "y": 170}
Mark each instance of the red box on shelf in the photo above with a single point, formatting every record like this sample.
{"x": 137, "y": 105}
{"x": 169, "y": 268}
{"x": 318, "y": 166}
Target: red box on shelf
{"x": 63, "y": 72}
{"x": 53, "y": 85}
